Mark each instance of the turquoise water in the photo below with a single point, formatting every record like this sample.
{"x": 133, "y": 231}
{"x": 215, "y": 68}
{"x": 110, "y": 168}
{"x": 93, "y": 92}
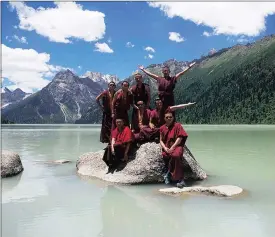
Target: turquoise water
{"x": 51, "y": 200}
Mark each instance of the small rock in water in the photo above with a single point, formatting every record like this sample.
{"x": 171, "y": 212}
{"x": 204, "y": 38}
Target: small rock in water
{"x": 221, "y": 190}
{"x": 11, "y": 164}
{"x": 62, "y": 161}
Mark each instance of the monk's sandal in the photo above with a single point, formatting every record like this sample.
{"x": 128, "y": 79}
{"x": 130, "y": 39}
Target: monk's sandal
{"x": 181, "y": 184}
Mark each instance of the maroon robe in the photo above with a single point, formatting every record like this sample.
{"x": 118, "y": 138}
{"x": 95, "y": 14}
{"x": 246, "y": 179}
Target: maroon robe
{"x": 141, "y": 93}
{"x": 174, "y": 160}
{"x": 121, "y": 106}
{"x": 106, "y": 123}
{"x": 142, "y": 131}
{"x": 121, "y": 140}
{"x": 166, "y": 88}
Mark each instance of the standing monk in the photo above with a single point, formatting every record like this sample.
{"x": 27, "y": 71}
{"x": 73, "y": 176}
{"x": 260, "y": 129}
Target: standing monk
{"x": 118, "y": 151}
{"x": 157, "y": 115}
{"x": 166, "y": 84}
{"x": 107, "y": 99}
{"x": 172, "y": 141}
{"x": 122, "y": 101}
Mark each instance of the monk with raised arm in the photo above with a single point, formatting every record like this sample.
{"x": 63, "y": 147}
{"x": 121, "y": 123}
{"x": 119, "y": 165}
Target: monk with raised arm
{"x": 106, "y": 106}
{"x": 157, "y": 115}
{"x": 172, "y": 141}
{"x": 140, "y": 125}
{"x": 166, "y": 84}
{"x": 122, "y": 101}
{"x": 121, "y": 139}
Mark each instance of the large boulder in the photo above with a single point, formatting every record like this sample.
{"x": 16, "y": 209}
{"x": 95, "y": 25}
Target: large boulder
{"x": 146, "y": 166}
{"x": 11, "y": 164}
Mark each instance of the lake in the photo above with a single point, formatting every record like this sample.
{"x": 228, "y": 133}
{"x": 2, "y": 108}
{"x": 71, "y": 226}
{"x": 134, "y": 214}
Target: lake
{"x": 51, "y": 200}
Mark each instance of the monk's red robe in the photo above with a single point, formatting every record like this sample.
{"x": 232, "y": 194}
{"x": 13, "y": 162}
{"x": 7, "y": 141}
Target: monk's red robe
{"x": 140, "y": 124}
{"x": 166, "y": 88}
{"x": 122, "y": 105}
{"x": 106, "y": 123}
{"x": 174, "y": 159}
{"x": 141, "y": 93}
{"x": 121, "y": 139}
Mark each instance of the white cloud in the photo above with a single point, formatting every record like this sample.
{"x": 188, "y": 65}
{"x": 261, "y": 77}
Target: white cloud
{"x": 65, "y": 21}
{"x": 228, "y": 18}
{"x": 149, "y": 56}
{"x": 206, "y": 33}
{"x": 243, "y": 39}
{"x": 103, "y": 48}
{"x": 79, "y": 67}
{"x": 27, "y": 68}
{"x": 22, "y": 40}
{"x": 150, "y": 49}
{"x": 109, "y": 40}
{"x": 174, "y": 36}
{"x": 129, "y": 45}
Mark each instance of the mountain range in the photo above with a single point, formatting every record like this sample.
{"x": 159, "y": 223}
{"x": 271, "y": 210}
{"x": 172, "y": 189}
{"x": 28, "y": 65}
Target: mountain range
{"x": 231, "y": 86}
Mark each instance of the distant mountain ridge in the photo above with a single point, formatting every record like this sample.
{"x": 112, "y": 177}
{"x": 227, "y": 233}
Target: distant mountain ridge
{"x": 9, "y": 97}
{"x": 63, "y": 100}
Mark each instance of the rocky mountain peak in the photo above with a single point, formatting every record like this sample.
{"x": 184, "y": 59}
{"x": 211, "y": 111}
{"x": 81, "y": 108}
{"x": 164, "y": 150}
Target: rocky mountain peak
{"x": 101, "y": 79}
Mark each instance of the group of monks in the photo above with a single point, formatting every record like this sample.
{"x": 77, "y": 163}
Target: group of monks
{"x": 147, "y": 125}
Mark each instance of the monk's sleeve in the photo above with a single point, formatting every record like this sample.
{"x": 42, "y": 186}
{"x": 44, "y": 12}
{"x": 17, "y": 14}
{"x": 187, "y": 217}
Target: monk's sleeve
{"x": 180, "y": 132}
{"x": 114, "y": 133}
{"x": 128, "y": 135}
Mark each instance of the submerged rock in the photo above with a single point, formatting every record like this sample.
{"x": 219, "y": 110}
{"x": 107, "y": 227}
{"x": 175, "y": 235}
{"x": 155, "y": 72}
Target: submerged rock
{"x": 146, "y": 166}
{"x": 11, "y": 164}
{"x": 221, "y": 190}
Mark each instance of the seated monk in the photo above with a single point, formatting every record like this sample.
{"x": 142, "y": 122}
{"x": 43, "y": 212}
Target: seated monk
{"x": 140, "y": 125}
{"x": 122, "y": 138}
{"x": 157, "y": 115}
{"x": 172, "y": 141}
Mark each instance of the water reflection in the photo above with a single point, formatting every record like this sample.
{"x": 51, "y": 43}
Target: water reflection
{"x": 136, "y": 212}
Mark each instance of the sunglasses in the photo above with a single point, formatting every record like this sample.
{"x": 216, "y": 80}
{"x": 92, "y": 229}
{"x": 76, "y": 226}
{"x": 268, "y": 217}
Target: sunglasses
{"x": 167, "y": 117}
{"x": 112, "y": 85}
{"x": 139, "y": 105}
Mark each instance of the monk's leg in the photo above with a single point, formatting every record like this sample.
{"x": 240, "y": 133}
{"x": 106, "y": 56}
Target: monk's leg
{"x": 108, "y": 157}
{"x": 166, "y": 159}
{"x": 176, "y": 166}
{"x": 119, "y": 153}
{"x": 106, "y": 128}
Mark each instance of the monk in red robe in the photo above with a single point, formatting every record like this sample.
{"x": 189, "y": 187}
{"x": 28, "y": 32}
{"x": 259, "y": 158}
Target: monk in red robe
{"x": 140, "y": 125}
{"x": 172, "y": 141}
{"x": 107, "y": 99}
{"x": 166, "y": 84}
{"x": 118, "y": 151}
{"x": 157, "y": 115}
{"x": 122, "y": 101}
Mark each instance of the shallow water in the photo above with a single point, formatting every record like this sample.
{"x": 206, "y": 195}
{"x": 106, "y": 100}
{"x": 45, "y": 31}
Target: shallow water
{"x": 51, "y": 200}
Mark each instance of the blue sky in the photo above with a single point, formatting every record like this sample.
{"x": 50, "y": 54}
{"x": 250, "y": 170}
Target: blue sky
{"x": 36, "y": 42}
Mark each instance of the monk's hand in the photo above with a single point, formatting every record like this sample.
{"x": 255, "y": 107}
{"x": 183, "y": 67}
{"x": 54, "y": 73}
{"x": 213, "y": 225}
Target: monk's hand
{"x": 170, "y": 150}
{"x": 152, "y": 126}
{"x": 125, "y": 158}
{"x": 192, "y": 64}
{"x": 113, "y": 115}
{"x": 113, "y": 150}
{"x": 192, "y": 103}
{"x": 141, "y": 67}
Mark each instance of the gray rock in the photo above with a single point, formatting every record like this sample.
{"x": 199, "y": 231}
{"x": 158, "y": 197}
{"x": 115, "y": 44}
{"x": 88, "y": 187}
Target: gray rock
{"x": 145, "y": 167}
{"x": 221, "y": 190}
{"x": 11, "y": 164}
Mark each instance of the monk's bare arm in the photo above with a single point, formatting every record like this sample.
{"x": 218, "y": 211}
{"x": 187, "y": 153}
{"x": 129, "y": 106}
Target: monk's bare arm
{"x": 184, "y": 71}
{"x": 112, "y": 145}
{"x": 113, "y": 104}
{"x": 151, "y": 125}
{"x": 175, "y": 107}
{"x": 177, "y": 142}
{"x": 149, "y": 73}
{"x": 149, "y": 96}
{"x": 127, "y": 148}
{"x": 98, "y": 99}
{"x": 162, "y": 144}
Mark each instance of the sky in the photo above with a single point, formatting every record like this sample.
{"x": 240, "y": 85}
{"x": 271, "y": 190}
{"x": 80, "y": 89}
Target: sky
{"x": 41, "y": 38}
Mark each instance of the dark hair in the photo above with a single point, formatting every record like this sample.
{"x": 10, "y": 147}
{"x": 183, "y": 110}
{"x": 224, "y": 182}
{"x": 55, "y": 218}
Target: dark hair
{"x": 111, "y": 82}
{"x": 125, "y": 82}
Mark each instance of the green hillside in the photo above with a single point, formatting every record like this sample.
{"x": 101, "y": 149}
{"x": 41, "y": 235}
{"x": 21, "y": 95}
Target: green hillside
{"x": 237, "y": 86}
